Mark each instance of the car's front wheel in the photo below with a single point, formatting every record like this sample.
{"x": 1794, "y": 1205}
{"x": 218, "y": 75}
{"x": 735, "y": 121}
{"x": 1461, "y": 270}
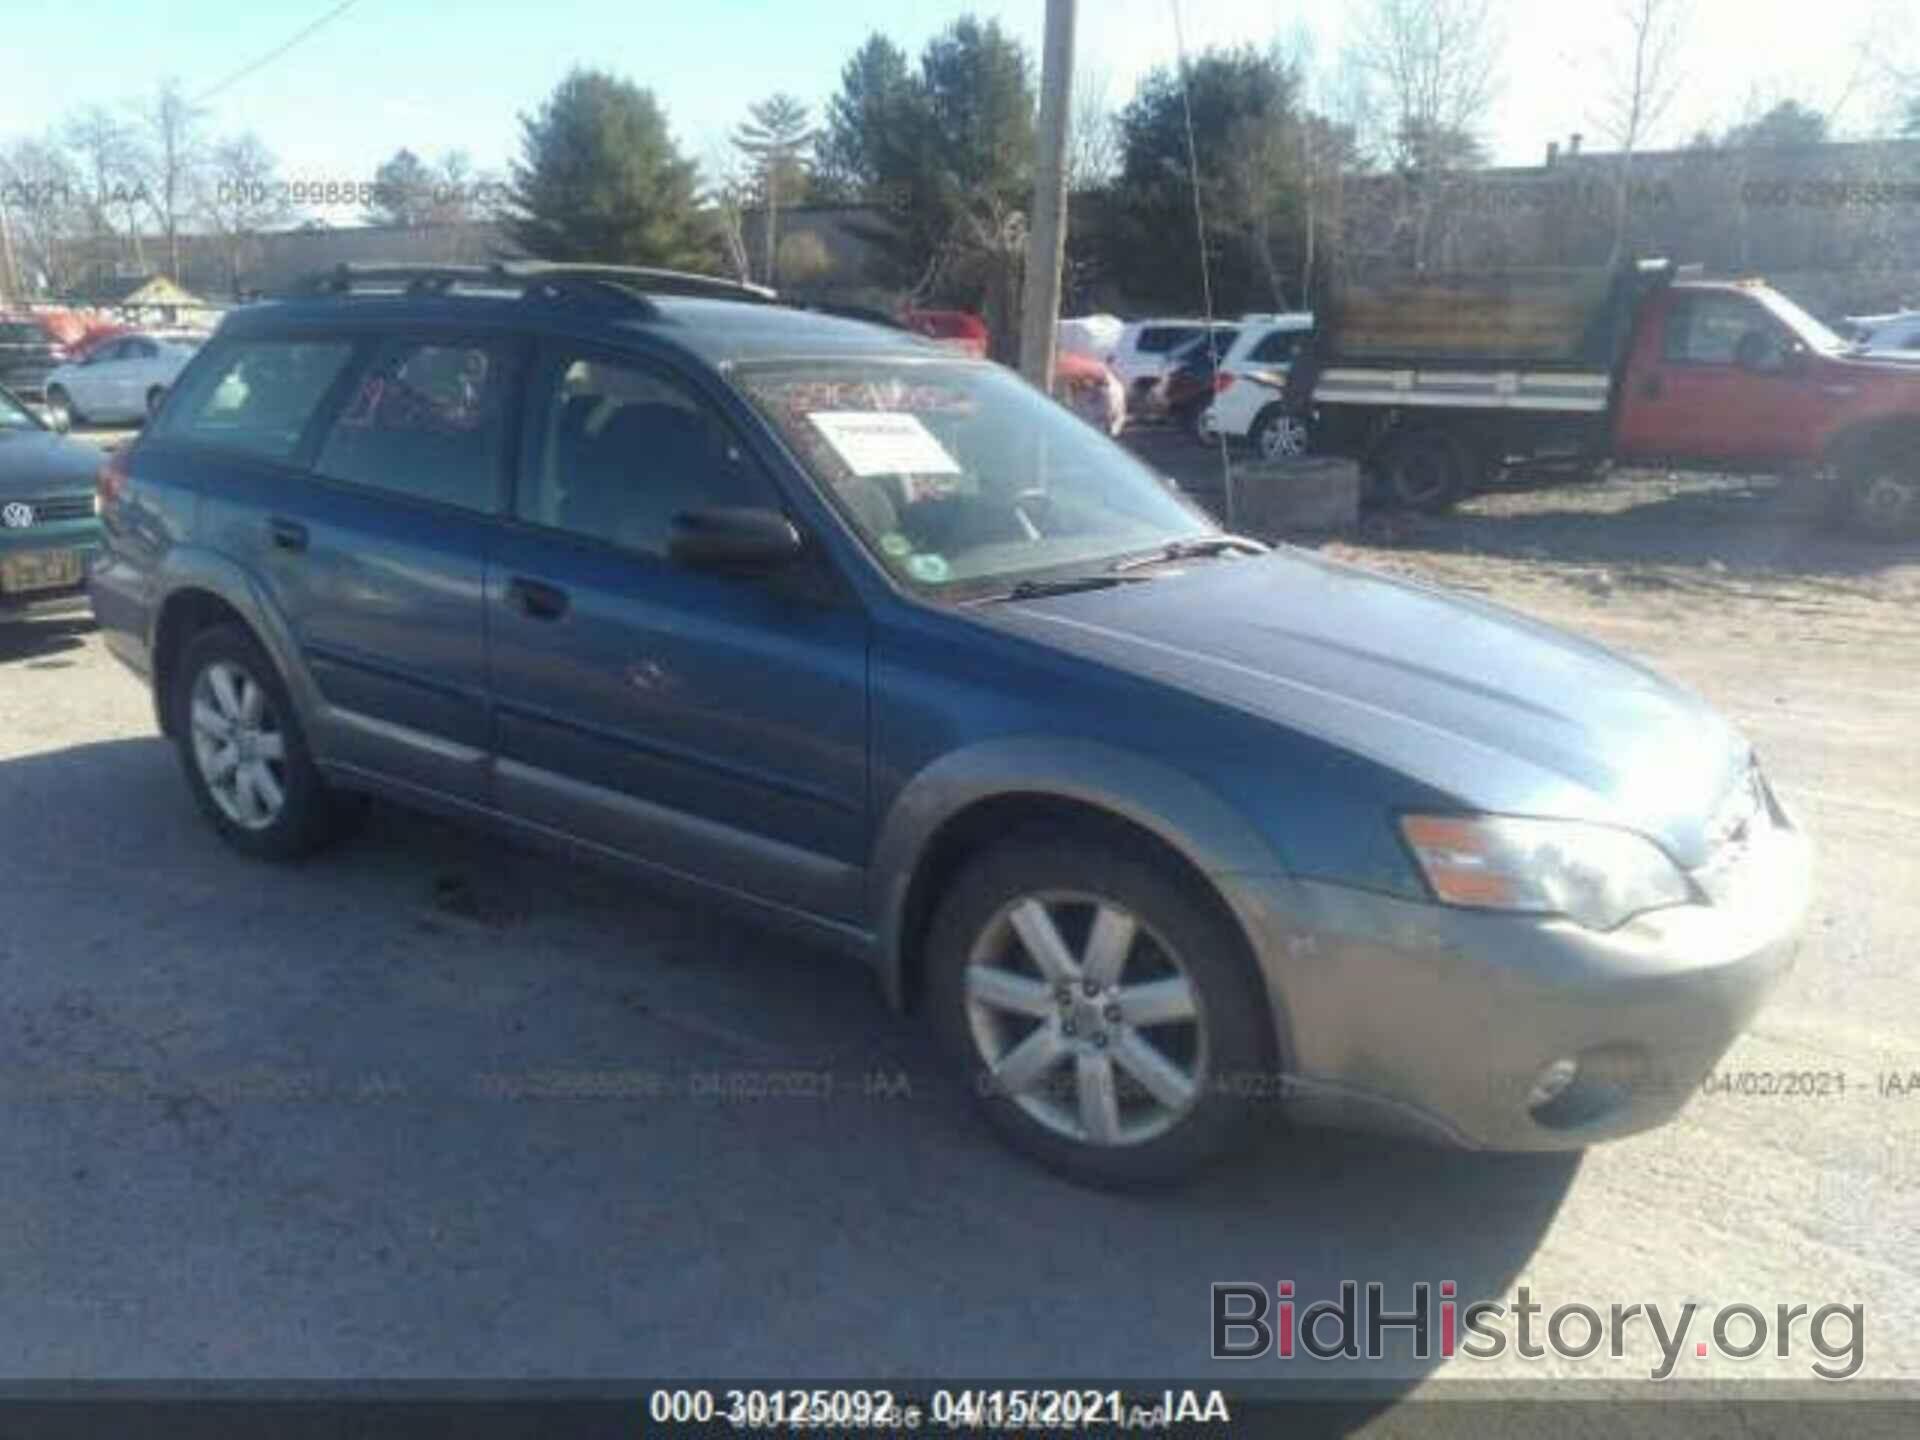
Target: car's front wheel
{"x": 245, "y": 756}
{"x": 59, "y": 400}
{"x": 1108, "y": 1018}
{"x": 1881, "y": 495}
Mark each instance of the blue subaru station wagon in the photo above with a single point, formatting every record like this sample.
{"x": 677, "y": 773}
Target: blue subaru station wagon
{"x": 1156, "y": 826}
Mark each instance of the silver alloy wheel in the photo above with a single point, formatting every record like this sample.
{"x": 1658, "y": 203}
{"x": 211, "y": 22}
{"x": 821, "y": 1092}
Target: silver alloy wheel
{"x": 1283, "y": 439}
{"x": 238, "y": 745}
{"x": 1887, "y": 501}
{"x": 1086, "y": 1018}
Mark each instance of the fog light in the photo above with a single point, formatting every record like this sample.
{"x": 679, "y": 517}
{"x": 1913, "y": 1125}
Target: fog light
{"x": 1553, "y": 1081}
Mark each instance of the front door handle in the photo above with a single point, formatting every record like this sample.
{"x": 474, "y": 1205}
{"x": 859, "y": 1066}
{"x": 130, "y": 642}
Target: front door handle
{"x": 287, "y": 534}
{"x": 536, "y": 599}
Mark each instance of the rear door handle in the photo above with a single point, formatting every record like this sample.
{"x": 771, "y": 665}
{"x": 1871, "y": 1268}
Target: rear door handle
{"x": 287, "y": 534}
{"x": 536, "y": 599}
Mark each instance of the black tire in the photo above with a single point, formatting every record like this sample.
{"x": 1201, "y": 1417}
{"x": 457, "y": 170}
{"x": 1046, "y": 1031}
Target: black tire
{"x": 60, "y": 400}
{"x": 1878, "y": 496}
{"x": 1276, "y": 435}
{"x": 1425, "y": 470}
{"x": 311, "y": 814}
{"x": 1230, "y": 1061}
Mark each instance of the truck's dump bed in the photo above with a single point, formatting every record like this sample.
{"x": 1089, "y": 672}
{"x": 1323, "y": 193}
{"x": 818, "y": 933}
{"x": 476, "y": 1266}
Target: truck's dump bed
{"x": 1533, "y": 319}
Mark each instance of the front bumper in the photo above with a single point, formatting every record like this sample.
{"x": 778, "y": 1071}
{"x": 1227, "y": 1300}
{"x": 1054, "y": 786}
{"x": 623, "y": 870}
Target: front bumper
{"x": 1439, "y": 1022}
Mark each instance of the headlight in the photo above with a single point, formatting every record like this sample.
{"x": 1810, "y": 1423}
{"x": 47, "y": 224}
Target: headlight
{"x": 1594, "y": 874}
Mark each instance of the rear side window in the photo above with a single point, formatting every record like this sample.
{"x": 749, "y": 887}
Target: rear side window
{"x": 426, "y": 420}
{"x": 1277, "y": 348}
{"x": 254, "y": 397}
{"x": 1158, "y": 339}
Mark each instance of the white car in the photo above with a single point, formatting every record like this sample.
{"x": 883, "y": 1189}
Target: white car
{"x": 121, "y": 379}
{"x": 1251, "y": 380}
{"x": 1145, "y": 346}
{"x": 1888, "y": 334}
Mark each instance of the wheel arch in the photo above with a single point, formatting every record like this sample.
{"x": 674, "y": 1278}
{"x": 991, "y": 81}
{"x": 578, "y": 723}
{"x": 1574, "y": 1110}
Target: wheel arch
{"x": 966, "y": 801}
{"x": 201, "y": 590}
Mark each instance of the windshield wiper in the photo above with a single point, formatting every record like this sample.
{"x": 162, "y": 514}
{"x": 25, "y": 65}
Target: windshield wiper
{"x": 1192, "y": 550}
{"x": 1067, "y": 585}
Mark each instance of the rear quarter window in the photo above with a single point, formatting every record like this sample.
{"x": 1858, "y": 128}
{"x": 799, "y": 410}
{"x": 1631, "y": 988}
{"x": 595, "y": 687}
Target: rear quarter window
{"x": 254, "y": 397}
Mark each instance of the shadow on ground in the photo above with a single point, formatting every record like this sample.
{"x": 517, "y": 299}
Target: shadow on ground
{"x": 431, "y": 1106}
{"x": 33, "y": 640}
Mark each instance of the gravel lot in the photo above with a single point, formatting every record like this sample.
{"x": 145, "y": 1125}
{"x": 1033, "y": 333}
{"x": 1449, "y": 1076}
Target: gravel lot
{"x": 428, "y": 1107}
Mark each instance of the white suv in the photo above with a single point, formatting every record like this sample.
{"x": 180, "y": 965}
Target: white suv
{"x": 1140, "y": 356}
{"x": 1252, "y": 377}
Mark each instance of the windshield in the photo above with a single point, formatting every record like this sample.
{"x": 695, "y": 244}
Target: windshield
{"x": 14, "y": 415}
{"x": 960, "y": 477}
{"x": 1819, "y": 336}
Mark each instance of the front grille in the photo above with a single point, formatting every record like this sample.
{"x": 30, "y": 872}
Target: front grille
{"x": 63, "y": 507}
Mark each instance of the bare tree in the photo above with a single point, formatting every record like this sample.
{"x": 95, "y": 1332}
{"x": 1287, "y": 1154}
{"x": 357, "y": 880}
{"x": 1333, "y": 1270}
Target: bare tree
{"x": 109, "y": 156}
{"x": 1093, "y": 134}
{"x": 176, "y": 155}
{"x": 1431, "y": 67}
{"x": 44, "y": 220}
{"x": 729, "y": 196}
{"x": 1644, "y": 71}
{"x": 239, "y": 196}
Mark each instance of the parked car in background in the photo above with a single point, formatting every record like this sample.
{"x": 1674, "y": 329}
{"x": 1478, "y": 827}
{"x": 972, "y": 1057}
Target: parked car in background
{"x": 1141, "y": 355}
{"x": 1438, "y": 383}
{"x": 961, "y": 331}
{"x": 1090, "y": 390}
{"x": 1093, "y": 336}
{"x": 28, "y": 356}
{"x": 49, "y": 522}
{"x": 124, "y": 379}
{"x": 1182, "y": 394}
{"x": 1897, "y": 334}
{"x": 1251, "y": 384}
{"x": 1154, "y": 825}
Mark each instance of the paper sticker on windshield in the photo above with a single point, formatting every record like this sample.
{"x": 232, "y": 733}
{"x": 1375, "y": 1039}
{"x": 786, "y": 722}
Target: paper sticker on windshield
{"x": 886, "y": 442}
{"x": 927, "y": 568}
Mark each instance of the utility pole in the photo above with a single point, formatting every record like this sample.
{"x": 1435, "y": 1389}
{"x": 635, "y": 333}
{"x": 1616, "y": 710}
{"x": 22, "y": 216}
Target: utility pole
{"x": 1047, "y": 233}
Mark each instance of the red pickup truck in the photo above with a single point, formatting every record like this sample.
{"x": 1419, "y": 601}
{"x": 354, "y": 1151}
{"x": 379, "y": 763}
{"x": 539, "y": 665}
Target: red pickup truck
{"x": 1438, "y": 384}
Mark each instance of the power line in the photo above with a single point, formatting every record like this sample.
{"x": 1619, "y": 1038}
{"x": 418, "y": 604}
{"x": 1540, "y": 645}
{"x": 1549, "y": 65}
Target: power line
{"x": 275, "y": 53}
{"x": 1206, "y": 279}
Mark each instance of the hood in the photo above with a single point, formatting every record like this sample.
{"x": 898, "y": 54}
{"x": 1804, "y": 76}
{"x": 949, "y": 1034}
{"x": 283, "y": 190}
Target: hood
{"x": 35, "y": 463}
{"x": 1501, "y": 712}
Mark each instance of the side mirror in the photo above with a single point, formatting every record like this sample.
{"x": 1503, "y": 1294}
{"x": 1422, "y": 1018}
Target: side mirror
{"x": 733, "y": 539}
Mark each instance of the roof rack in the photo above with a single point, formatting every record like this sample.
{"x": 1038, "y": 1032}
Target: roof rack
{"x": 536, "y": 280}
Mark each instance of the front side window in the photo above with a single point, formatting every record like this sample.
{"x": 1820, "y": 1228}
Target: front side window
{"x": 426, "y": 420}
{"x": 621, "y": 449}
{"x": 254, "y": 397}
{"x": 961, "y": 478}
{"x": 1159, "y": 339}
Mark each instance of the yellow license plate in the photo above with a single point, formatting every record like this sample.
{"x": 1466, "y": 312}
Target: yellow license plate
{"x": 39, "y": 570}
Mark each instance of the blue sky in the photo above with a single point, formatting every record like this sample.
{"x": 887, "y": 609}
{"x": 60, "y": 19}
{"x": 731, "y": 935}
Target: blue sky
{"x": 436, "y": 76}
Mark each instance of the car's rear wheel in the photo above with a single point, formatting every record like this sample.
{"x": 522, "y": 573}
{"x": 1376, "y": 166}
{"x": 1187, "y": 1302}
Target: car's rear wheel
{"x": 245, "y": 757}
{"x": 1276, "y": 435}
{"x": 58, "y": 399}
{"x": 1109, "y": 1020}
{"x": 1881, "y": 495}
{"x": 1425, "y": 470}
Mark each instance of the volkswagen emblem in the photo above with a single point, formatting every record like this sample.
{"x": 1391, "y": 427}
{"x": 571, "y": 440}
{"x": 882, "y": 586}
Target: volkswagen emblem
{"x": 18, "y": 516}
